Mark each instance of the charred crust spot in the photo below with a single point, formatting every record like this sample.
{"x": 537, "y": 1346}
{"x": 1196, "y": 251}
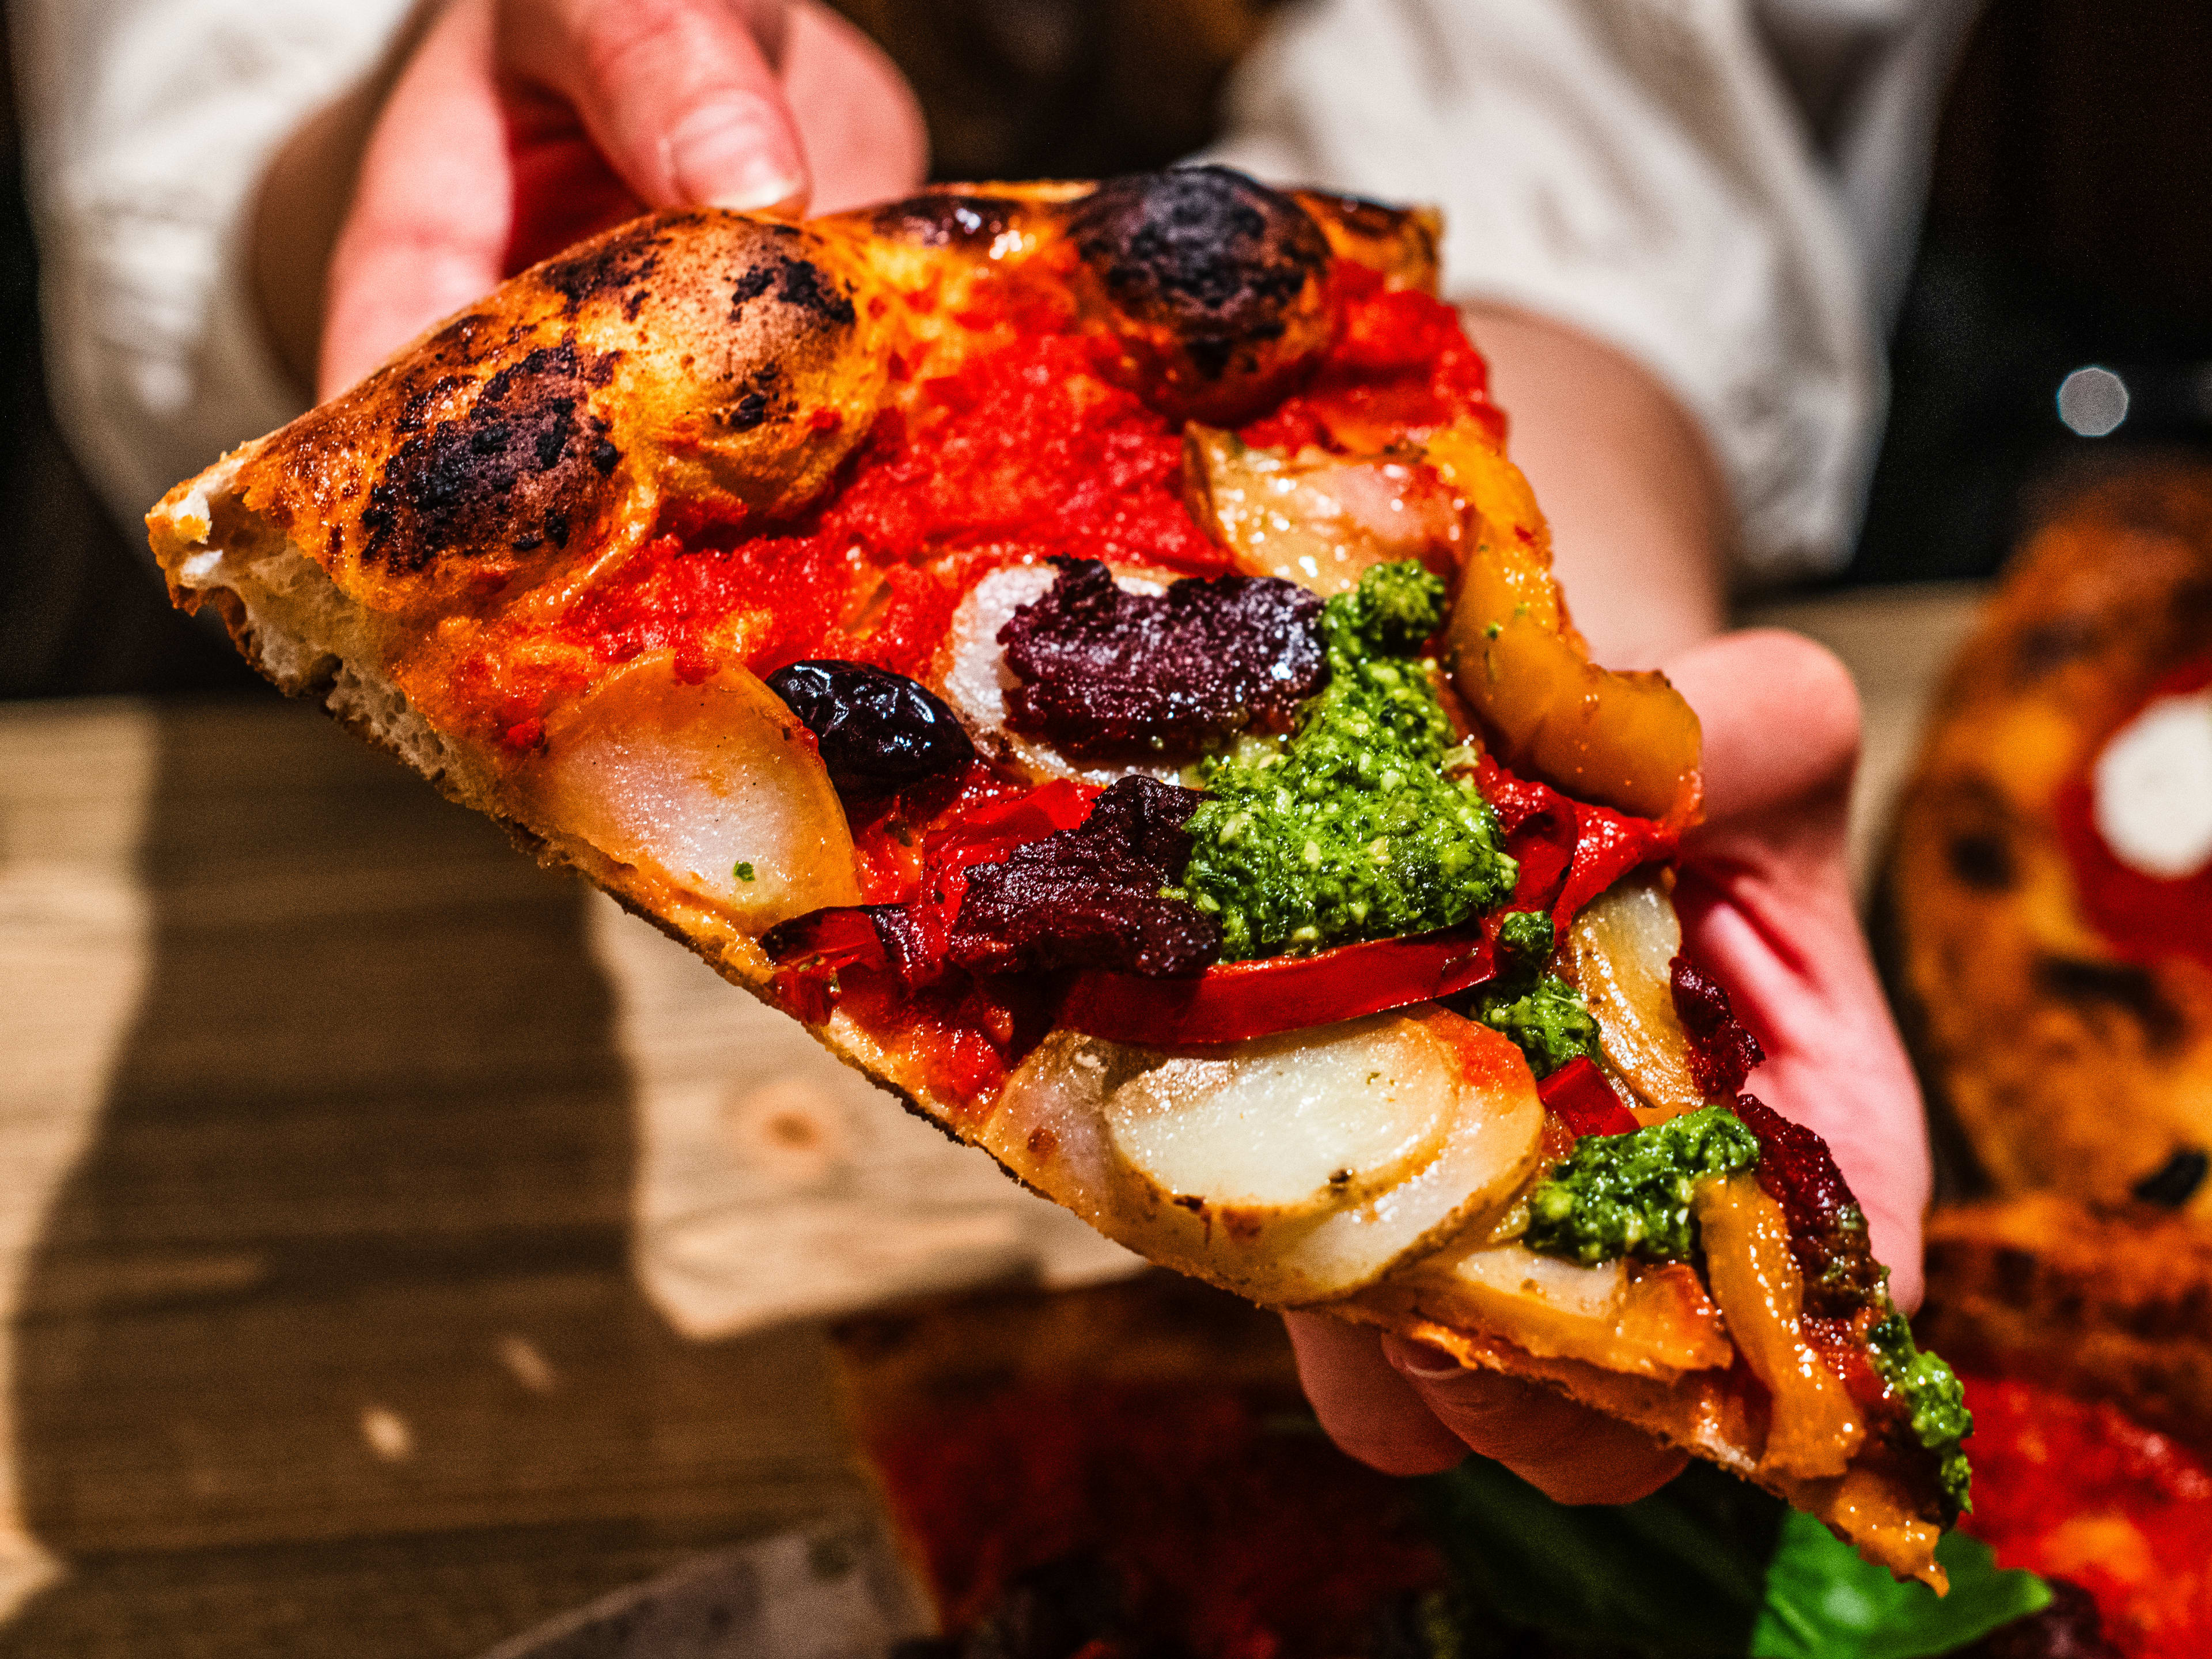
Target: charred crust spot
{"x": 2048, "y": 647}
{"x": 1190, "y": 1201}
{"x": 748, "y": 412}
{"x": 608, "y": 268}
{"x": 505, "y": 474}
{"x": 800, "y": 283}
{"x": 2175, "y": 1182}
{"x": 421, "y": 404}
{"x": 605, "y": 456}
{"x": 2125, "y": 988}
{"x": 1204, "y": 251}
{"x": 750, "y": 286}
{"x": 946, "y": 221}
{"x": 2016, "y": 1273}
{"x": 807, "y": 286}
{"x": 1978, "y": 834}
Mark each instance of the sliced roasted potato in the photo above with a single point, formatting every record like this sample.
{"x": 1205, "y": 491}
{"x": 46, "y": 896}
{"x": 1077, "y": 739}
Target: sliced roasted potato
{"x": 1226, "y": 1162}
{"x": 1653, "y": 1321}
{"x": 1316, "y": 519}
{"x": 1816, "y": 1426}
{"x": 1628, "y": 741}
{"x": 685, "y": 783}
{"x": 1624, "y": 945}
{"x": 1288, "y": 1129}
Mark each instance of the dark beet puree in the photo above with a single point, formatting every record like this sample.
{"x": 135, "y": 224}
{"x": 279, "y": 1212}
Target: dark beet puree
{"x": 1091, "y": 897}
{"x": 1721, "y": 1052}
{"x": 1827, "y": 1229}
{"x": 1109, "y": 673}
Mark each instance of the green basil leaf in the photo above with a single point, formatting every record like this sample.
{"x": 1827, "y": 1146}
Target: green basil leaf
{"x": 1823, "y": 1602}
{"x": 1708, "y": 1566}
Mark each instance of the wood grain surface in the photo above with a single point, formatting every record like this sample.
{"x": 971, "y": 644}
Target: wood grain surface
{"x": 319, "y": 1177}
{"x": 326, "y": 1341}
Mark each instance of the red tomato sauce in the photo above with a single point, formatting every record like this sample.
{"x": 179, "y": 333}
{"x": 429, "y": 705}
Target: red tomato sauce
{"x": 1026, "y": 452}
{"x": 1023, "y": 454}
{"x": 2082, "y": 1491}
{"x": 1401, "y": 363}
{"x": 2143, "y": 915}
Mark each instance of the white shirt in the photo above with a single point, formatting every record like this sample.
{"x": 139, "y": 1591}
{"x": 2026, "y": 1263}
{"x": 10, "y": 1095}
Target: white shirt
{"x": 1728, "y": 190}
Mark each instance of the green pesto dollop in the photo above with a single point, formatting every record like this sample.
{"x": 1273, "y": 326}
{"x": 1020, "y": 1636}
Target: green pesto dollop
{"x": 1543, "y": 1014}
{"x": 1550, "y": 1022}
{"x": 1931, "y": 1392}
{"x": 1525, "y": 941}
{"x": 1629, "y": 1194}
{"x": 1352, "y": 829}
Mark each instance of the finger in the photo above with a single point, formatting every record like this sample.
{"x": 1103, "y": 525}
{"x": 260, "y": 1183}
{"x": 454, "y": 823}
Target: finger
{"x": 429, "y": 218}
{"x": 1799, "y": 974}
{"x": 1368, "y": 1408}
{"x": 1765, "y": 902}
{"x": 1569, "y": 1453}
{"x": 677, "y": 95}
{"x": 1781, "y": 719}
{"x": 865, "y": 137}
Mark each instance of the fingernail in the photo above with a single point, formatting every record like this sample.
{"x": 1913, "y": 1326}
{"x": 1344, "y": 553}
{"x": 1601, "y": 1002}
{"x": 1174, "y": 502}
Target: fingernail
{"x": 1420, "y": 1361}
{"x": 734, "y": 153}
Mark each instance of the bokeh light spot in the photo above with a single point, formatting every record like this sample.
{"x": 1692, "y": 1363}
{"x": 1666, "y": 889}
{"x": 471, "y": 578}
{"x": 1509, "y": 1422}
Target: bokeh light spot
{"x": 2093, "y": 401}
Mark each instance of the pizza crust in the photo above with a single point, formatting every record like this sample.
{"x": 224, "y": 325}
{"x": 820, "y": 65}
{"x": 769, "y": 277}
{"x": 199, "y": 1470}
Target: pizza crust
{"x": 2072, "y": 1064}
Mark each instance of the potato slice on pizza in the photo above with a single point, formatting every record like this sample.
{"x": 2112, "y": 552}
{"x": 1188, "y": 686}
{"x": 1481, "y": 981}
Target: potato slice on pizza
{"x": 1083, "y": 650}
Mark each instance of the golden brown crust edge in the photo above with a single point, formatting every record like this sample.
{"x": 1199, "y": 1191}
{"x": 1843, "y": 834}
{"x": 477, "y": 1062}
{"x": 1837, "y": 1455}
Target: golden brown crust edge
{"x": 1869, "y": 1508}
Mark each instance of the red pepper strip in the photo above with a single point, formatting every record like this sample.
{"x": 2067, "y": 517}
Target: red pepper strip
{"x": 1608, "y": 846}
{"x": 1569, "y": 851}
{"x": 987, "y": 833}
{"x": 1579, "y": 1095}
{"x": 811, "y": 950}
{"x": 1241, "y": 999}
{"x": 909, "y": 937}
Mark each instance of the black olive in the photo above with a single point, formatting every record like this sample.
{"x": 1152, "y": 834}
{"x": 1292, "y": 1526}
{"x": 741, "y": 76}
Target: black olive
{"x": 878, "y": 731}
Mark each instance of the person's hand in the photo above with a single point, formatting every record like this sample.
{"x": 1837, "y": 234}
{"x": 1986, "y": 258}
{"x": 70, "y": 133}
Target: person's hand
{"x": 1765, "y": 904}
{"x": 512, "y": 127}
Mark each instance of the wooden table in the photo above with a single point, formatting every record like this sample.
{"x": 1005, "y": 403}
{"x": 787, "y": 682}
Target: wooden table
{"x": 320, "y": 1118}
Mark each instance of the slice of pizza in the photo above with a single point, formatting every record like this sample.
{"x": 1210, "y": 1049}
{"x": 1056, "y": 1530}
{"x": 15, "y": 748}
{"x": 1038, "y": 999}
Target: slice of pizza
{"x": 1085, "y": 651}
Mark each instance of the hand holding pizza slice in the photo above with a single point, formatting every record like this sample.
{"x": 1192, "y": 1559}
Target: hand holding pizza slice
{"x": 1083, "y": 650}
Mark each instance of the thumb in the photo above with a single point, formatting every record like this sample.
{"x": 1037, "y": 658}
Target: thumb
{"x": 679, "y": 95}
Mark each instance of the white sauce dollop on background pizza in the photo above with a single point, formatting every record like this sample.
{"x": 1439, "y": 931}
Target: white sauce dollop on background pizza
{"x": 2153, "y": 789}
